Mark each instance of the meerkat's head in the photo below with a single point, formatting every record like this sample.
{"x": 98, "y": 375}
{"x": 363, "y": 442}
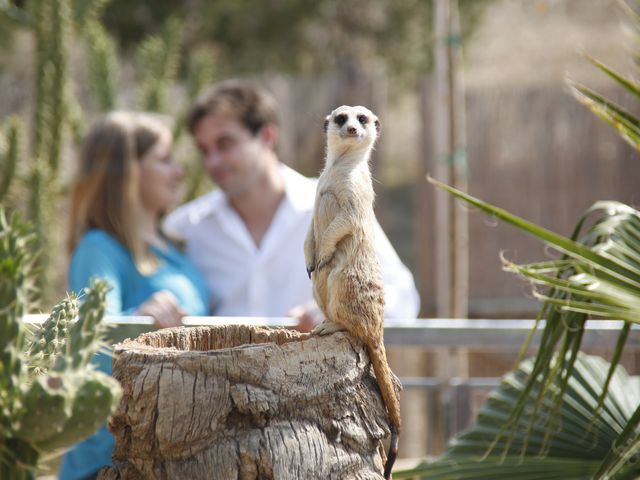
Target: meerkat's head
{"x": 351, "y": 126}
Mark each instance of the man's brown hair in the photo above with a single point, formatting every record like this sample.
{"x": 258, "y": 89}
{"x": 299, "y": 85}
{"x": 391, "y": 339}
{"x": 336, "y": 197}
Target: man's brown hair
{"x": 251, "y": 104}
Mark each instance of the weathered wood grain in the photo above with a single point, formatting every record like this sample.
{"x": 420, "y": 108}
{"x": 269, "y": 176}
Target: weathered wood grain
{"x": 240, "y": 402}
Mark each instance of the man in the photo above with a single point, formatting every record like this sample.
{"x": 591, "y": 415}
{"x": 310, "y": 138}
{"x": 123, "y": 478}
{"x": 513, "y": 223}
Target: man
{"x": 247, "y": 236}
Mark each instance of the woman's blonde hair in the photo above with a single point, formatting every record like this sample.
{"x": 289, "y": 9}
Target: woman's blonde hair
{"x": 106, "y": 193}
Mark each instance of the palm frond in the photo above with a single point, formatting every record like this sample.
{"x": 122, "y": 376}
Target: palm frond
{"x": 629, "y": 85}
{"x": 620, "y": 461}
{"x": 595, "y": 277}
{"x": 624, "y": 122}
{"x": 579, "y": 444}
{"x": 530, "y": 427}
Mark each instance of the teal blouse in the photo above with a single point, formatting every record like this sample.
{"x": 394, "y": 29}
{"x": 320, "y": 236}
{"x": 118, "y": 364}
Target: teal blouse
{"x": 100, "y": 255}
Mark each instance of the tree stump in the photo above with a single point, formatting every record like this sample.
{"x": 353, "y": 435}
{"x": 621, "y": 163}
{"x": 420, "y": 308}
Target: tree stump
{"x": 242, "y": 402}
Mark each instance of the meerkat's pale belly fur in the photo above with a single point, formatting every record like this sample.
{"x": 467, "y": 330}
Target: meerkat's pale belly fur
{"x": 349, "y": 288}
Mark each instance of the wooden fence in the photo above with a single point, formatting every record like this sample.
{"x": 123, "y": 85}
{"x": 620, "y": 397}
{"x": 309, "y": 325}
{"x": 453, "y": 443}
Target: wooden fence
{"x": 543, "y": 156}
{"x": 535, "y": 151}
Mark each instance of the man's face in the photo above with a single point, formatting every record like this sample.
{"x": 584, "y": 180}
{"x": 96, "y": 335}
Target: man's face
{"x": 231, "y": 155}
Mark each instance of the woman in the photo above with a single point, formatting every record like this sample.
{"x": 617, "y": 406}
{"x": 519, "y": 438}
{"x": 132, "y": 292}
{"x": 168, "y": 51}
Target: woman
{"x": 127, "y": 180}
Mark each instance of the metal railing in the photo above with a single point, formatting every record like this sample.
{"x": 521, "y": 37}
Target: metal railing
{"x": 449, "y": 398}
{"x": 440, "y": 332}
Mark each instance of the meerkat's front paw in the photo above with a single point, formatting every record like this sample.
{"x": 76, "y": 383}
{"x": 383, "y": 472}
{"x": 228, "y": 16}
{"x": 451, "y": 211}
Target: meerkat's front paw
{"x": 323, "y": 261}
{"x": 327, "y": 328}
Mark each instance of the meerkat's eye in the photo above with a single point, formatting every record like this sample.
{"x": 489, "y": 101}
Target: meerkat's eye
{"x": 363, "y": 119}
{"x": 341, "y": 119}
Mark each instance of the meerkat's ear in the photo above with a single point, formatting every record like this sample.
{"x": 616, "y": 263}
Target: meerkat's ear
{"x": 377, "y": 124}
{"x": 326, "y": 123}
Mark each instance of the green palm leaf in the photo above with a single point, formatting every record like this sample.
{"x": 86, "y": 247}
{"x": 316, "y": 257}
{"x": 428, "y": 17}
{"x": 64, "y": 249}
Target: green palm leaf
{"x": 530, "y": 427}
{"x": 624, "y": 122}
{"x": 597, "y": 275}
{"x": 629, "y": 85}
{"x": 579, "y": 444}
{"x": 473, "y": 468}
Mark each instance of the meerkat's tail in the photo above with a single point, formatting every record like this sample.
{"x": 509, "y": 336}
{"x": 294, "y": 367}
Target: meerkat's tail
{"x": 387, "y": 389}
{"x": 391, "y": 454}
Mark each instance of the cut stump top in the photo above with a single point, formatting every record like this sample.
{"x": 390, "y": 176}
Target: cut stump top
{"x": 246, "y": 402}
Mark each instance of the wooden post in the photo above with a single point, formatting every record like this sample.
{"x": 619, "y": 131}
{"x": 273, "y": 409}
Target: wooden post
{"x": 459, "y": 167}
{"x": 441, "y": 135}
{"x": 449, "y": 165}
{"x": 245, "y": 402}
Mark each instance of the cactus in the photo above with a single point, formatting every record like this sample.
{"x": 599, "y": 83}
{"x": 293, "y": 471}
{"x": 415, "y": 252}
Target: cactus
{"x": 76, "y": 119}
{"x": 50, "y": 396}
{"x": 56, "y": 25}
{"x": 200, "y": 72}
{"x": 87, "y": 11}
{"x": 9, "y": 153}
{"x": 41, "y": 120}
{"x": 52, "y": 23}
{"x": 103, "y": 65}
{"x": 159, "y": 58}
{"x": 82, "y": 340}
{"x": 40, "y": 213}
{"x": 49, "y": 342}
{"x": 60, "y": 24}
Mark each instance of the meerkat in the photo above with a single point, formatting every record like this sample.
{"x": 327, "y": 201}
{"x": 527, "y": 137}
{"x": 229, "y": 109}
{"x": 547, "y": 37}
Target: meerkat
{"x": 339, "y": 249}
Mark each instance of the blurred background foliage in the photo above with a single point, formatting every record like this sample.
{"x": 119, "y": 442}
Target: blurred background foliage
{"x": 295, "y": 36}
{"x": 276, "y": 36}
{"x": 90, "y": 56}
{"x": 87, "y": 55}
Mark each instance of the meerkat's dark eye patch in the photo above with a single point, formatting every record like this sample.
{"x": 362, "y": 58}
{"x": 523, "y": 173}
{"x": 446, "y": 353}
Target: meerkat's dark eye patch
{"x": 363, "y": 119}
{"x": 340, "y": 119}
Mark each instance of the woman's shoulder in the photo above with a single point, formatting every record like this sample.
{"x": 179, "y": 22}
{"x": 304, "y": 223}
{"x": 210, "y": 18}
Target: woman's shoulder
{"x": 99, "y": 242}
{"x": 99, "y": 254}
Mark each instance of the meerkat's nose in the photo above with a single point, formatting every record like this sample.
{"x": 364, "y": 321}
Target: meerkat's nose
{"x": 352, "y": 130}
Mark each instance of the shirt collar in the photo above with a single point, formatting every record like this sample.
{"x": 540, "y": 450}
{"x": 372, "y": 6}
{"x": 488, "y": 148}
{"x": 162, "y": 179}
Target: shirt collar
{"x": 299, "y": 190}
{"x": 207, "y": 205}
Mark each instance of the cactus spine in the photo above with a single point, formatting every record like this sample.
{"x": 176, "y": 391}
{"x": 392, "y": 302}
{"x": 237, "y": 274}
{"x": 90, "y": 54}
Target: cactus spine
{"x": 50, "y": 397}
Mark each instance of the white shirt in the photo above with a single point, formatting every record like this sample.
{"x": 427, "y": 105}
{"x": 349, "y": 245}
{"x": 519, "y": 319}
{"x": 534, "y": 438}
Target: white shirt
{"x": 270, "y": 279}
